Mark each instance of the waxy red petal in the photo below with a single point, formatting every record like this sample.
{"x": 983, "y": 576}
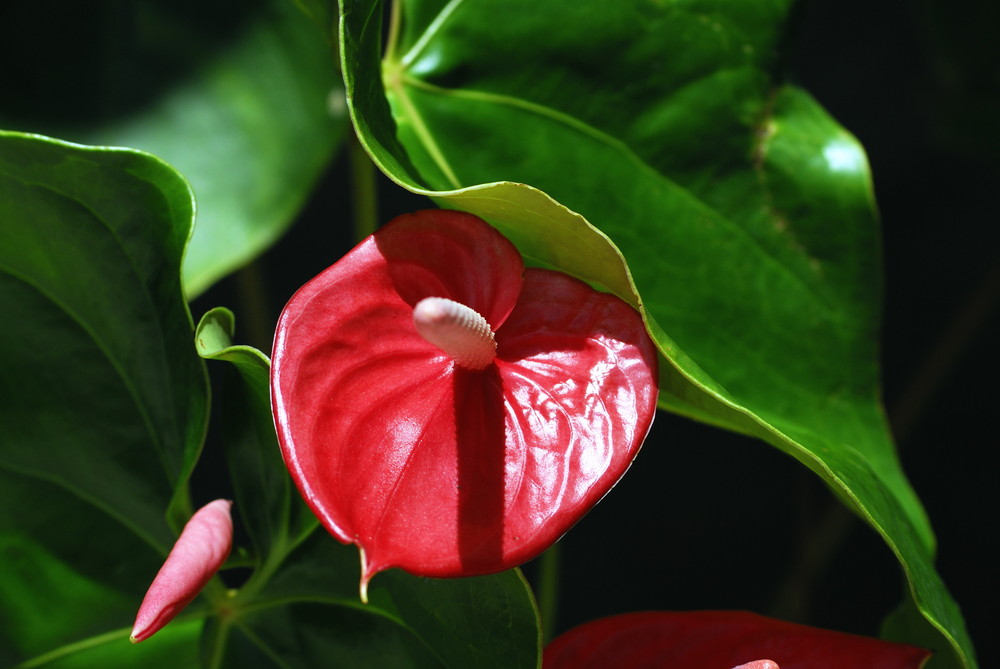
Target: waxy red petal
{"x": 718, "y": 640}
{"x": 579, "y": 383}
{"x": 434, "y": 468}
{"x": 200, "y": 550}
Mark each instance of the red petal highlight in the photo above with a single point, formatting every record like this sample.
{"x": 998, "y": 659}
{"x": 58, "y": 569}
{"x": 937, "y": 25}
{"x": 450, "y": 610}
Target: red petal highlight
{"x": 201, "y": 549}
{"x": 437, "y": 469}
{"x": 759, "y": 664}
{"x": 713, "y": 639}
{"x": 579, "y": 382}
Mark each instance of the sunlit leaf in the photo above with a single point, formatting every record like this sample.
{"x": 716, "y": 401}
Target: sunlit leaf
{"x": 689, "y": 179}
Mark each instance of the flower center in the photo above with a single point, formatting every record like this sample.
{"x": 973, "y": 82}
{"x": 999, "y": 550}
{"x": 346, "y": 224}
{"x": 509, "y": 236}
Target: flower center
{"x": 457, "y": 330}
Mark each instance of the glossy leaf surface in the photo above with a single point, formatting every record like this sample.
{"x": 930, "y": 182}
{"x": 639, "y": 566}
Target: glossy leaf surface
{"x": 242, "y": 98}
{"x": 689, "y": 180}
{"x": 103, "y": 399}
{"x": 709, "y": 639}
{"x": 432, "y": 467}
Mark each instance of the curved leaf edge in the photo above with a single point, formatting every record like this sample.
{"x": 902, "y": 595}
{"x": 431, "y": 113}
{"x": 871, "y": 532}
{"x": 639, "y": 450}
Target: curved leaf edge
{"x": 213, "y": 338}
{"x": 179, "y": 509}
{"x": 681, "y": 392}
{"x": 213, "y": 341}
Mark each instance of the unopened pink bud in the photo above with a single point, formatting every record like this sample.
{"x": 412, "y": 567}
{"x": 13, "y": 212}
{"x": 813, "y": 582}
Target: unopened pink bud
{"x": 201, "y": 549}
{"x": 759, "y": 664}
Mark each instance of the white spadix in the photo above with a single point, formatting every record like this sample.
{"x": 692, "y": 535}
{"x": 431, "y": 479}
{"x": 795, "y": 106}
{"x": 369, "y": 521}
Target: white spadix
{"x": 456, "y": 329}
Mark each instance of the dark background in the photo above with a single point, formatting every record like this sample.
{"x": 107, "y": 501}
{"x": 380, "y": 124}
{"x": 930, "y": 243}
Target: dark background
{"x": 707, "y": 519}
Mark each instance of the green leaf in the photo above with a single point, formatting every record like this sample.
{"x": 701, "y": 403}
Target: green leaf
{"x": 669, "y": 164}
{"x": 102, "y": 399}
{"x": 311, "y": 609}
{"x": 246, "y": 104}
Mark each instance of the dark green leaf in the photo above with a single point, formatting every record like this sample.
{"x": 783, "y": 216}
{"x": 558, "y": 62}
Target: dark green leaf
{"x": 311, "y": 609}
{"x": 689, "y": 180}
{"x": 243, "y": 99}
{"x": 102, "y": 399}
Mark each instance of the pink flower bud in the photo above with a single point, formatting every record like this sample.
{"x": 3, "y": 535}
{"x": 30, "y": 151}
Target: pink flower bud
{"x": 759, "y": 664}
{"x": 201, "y": 549}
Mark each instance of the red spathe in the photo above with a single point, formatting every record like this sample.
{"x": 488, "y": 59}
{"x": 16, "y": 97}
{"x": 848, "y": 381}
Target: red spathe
{"x": 434, "y": 468}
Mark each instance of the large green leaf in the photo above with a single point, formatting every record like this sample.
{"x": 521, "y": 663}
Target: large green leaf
{"x": 668, "y": 164}
{"x": 102, "y": 397}
{"x": 242, "y": 98}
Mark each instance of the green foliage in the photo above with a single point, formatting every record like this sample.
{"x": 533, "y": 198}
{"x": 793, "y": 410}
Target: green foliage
{"x": 301, "y": 602}
{"x": 111, "y": 397}
{"x": 242, "y": 98}
{"x": 723, "y": 202}
{"x": 104, "y": 400}
{"x": 652, "y": 149}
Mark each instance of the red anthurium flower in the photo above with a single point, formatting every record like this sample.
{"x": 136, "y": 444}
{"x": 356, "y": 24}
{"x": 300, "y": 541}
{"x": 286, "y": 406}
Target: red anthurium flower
{"x": 719, "y": 640}
{"x": 448, "y": 411}
{"x": 201, "y": 549}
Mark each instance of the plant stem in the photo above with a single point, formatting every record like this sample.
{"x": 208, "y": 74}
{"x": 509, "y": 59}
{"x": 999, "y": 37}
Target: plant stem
{"x": 548, "y": 590}
{"x": 255, "y": 324}
{"x": 967, "y": 322}
{"x": 364, "y": 191}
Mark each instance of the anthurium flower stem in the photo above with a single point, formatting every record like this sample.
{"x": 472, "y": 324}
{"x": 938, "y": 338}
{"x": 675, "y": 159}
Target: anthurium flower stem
{"x": 548, "y": 590}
